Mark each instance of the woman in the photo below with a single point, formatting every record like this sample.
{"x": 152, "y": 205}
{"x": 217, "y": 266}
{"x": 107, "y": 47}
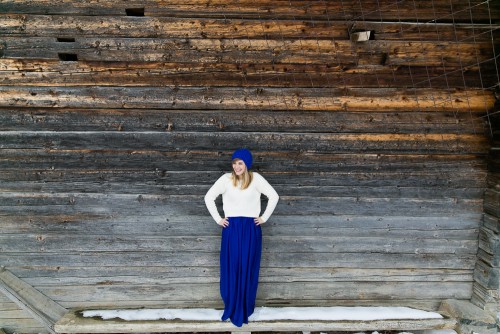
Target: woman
{"x": 241, "y": 243}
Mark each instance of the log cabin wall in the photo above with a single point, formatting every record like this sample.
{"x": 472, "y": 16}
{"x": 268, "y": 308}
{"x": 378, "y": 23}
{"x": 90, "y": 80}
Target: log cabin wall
{"x": 117, "y": 116}
{"x": 486, "y": 290}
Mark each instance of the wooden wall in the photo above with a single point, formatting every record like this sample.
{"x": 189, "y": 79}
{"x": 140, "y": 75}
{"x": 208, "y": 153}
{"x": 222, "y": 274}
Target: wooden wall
{"x": 486, "y": 290}
{"x": 113, "y": 127}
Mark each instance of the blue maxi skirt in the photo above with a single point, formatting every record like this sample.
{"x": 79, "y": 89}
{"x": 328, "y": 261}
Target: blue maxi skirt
{"x": 240, "y": 253}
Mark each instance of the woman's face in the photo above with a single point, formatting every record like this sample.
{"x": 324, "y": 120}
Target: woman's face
{"x": 239, "y": 167}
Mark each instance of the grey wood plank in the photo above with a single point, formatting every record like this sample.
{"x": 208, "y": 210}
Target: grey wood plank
{"x": 161, "y": 161}
{"x": 439, "y": 177}
{"x": 464, "y": 227}
{"x": 237, "y": 121}
{"x": 51, "y": 244}
{"x": 425, "y": 304}
{"x": 179, "y": 141}
{"x": 128, "y": 275}
{"x": 487, "y": 276}
{"x": 304, "y": 259}
{"x": 152, "y": 205}
{"x": 289, "y": 291}
{"x": 169, "y": 27}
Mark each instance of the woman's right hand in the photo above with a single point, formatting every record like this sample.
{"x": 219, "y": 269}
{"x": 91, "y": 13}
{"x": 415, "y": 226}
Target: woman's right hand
{"x": 223, "y": 222}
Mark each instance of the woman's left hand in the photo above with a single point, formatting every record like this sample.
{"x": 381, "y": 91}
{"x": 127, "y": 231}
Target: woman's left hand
{"x": 258, "y": 221}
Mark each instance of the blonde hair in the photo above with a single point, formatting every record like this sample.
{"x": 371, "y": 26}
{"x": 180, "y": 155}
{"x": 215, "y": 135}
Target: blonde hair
{"x": 246, "y": 178}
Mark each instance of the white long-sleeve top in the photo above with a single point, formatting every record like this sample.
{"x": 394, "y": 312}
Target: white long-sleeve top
{"x": 241, "y": 203}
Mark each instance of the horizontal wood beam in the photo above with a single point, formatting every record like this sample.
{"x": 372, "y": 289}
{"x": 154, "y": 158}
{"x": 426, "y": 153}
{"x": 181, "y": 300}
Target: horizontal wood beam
{"x": 51, "y": 244}
{"x": 161, "y": 161}
{"x": 309, "y": 142}
{"x": 442, "y": 10}
{"x": 463, "y": 226}
{"x": 128, "y": 275}
{"x": 253, "y": 28}
{"x": 74, "y": 323}
{"x": 66, "y": 119}
{"x": 258, "y": 51}
{"x": 351, "y": 99}
{"x": 51, "y": 72}
{"x": 306, "y": 259}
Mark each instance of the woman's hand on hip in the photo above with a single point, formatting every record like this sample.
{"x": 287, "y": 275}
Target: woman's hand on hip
{"x": 223, "y": 222}
{"x": 258, "y": 221}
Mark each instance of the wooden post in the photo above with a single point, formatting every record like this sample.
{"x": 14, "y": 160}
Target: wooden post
{"x": 41, "y": 308}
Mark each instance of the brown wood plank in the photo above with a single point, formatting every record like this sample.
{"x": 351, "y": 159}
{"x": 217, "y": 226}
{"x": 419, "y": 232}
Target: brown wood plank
{"x": 289, "y": 51}
{"x": 167, "y": 27}
{"x": 188, "y": 50}
{"x": 440, "y": 10}
{"x": 45, "y": 72}
{"x": 352, "y": 99}
{"x": 425, "y": 304}
{"x": 172, "y": 27}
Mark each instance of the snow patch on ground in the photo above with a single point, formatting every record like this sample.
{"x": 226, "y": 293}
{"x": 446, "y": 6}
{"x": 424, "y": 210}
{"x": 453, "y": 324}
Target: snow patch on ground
{"x": 271, "y": 313}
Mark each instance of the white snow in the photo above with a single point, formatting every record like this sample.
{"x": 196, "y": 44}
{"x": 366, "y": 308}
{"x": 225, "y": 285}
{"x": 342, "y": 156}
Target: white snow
{"x": 271, "y": 313}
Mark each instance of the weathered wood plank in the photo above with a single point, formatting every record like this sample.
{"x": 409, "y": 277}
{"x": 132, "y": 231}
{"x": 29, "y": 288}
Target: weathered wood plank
{"x": 75, "y": 324}
{"x": 46, "y": 72}
{"x": 316, "y": 51}
{"x": 464, "y": 227}
{"x": 188, "y": 50}
{"x": 310, "y": 142}
{"x": 492, "y": 202}
{"x": 442, "y": 10}
{"x": 50, "y": 244}
{"x": 172, "y": 27}
{"x": 289, "y": 291}
{"x": 151, "y": 205}
{"x": 168, "y": 27}
{"x": 59, "y": 276}
{"x": 486, "y": 275}
{"x": 166, "y": 188}
{"x": 352, "y": 99}
{"x": 489, "y": 241}
{"x": 40, "y": 179}
{"x": 285, "y": 259}
{"x": 489, "y": 259}
{"x": 492, "y": 223}
{"x": 424, "y": 304}
{"x": 22, "y": 119}
{"x": 162, "y": 161}
{"x": 108, "y": 181}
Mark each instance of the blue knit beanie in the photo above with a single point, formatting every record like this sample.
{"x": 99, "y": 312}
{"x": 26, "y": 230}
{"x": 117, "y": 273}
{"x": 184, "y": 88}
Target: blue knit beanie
{"x": 245, "y": 155}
